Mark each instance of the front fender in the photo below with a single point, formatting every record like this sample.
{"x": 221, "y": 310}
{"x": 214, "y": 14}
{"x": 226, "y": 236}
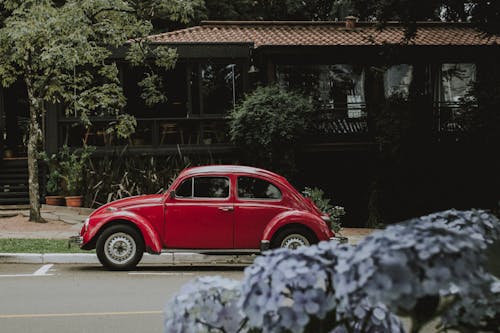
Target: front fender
{"x": 151, "y": 238}
{"x": 311, "y": 221}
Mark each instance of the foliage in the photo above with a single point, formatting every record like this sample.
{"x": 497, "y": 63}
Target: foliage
{"x": 61, "y": 51}
{"x": 335, "y": 212}
{"x": 308, "y": 10}
{"x": 422, "y": 268}
{"x": 72, "y": 168}
{"x": 53, "y": 185}
{"x": 119, "y": 175}
{"x": 485, "y": 14}
{"x": 268, "y": 123}
{"x": 207, "y": 304}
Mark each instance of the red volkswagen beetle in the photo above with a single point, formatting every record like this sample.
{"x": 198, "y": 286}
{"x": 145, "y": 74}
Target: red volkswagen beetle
{"x": 207, "y": 209}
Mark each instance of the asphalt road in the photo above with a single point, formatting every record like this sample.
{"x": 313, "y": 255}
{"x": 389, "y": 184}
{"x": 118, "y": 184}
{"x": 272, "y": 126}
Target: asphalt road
{"x": 86, "y": 298}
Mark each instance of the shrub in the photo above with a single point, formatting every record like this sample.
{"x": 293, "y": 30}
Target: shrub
{"x": 268, "y": 123}
{"x": 421, "y": 268}
{"x": 335, "y": 212}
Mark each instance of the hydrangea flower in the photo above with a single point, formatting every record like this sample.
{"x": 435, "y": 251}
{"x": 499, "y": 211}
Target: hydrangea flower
{"x": 206, "y": 304}
{"x": 285, "y": 289}
{"x": 373, "y": 320}
{"x": 473, "y": 313}
{"x": 413, "y": 260}
{"x": 477, "y": 222}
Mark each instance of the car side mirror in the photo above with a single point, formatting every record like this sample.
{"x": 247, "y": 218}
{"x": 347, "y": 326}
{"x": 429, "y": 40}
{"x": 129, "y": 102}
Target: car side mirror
{"x": 172, "y": 194}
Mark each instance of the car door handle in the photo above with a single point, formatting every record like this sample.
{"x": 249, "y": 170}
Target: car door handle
{"x": 226, "y": 208}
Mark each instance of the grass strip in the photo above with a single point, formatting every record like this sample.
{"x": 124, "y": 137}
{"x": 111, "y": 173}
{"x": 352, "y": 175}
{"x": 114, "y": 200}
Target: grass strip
{"x": 23, "y": 245}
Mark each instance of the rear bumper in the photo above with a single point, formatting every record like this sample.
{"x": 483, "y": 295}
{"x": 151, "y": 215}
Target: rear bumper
{"x": 265, "y": 245}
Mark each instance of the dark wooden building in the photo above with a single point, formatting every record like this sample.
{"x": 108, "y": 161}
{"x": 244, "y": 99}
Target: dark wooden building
{"x": 347, "y": 70}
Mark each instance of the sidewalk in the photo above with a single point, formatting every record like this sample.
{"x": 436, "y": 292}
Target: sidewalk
{"x": 63, "y": 222}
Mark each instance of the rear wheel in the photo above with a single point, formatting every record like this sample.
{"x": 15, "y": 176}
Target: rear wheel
{"x": 120, "y": 247}
{"x": 294, "y": 237}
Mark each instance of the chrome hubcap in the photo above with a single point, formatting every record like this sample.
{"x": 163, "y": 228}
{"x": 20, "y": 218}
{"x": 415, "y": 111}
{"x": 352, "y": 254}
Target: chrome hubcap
{"x": 294, "y": 241}
{"x": 120, "y": 248}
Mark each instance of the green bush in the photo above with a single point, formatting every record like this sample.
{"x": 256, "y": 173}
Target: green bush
{"x": 119, "y": 175}
{"x": 324, "y": 205}
{"x": 268, "y": 123}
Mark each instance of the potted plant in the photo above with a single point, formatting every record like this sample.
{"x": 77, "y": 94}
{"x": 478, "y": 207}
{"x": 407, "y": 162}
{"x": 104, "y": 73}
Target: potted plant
{"x": 53, "y": 185}
{"x": 72, "y": 168}
{"x": 53, "y": 188}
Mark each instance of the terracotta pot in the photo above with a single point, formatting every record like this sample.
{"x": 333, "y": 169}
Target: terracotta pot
{"x": 54, "y": 200}
{"x": 76, "y": 201}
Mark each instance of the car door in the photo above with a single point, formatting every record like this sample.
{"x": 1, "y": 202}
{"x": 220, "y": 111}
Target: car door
{"x": 257, "y": 201}
{"x": 200, "y": 215}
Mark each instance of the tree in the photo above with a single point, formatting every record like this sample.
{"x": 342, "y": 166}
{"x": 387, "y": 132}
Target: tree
{"x": 484, "y": 14}
{"x": 61, "y": 51}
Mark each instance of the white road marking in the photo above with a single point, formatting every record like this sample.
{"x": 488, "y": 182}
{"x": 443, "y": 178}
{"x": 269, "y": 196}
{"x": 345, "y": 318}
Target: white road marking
{"x": 78, "y": 314}
{"x": 43, "y": 270}
{"x": 161, "y": 273}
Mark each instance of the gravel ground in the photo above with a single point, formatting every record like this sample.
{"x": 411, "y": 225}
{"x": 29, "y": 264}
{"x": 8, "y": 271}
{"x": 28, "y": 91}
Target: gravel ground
{"x": 19, "y": 227}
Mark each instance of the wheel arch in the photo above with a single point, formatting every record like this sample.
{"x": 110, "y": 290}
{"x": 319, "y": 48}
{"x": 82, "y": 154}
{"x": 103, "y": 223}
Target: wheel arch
{"x": 294, "y": 225}
{"x": 301, "y": 219}
{"x": 149, "y": 236}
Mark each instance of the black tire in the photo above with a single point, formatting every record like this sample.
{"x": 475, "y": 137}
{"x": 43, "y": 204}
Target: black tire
{"x": 293, "y": 237}
{"x": 120, "y": 247}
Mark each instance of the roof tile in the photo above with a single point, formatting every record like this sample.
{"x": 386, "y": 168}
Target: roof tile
{"x": 324, "y": 34}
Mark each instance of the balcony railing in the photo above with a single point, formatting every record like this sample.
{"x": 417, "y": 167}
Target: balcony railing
{"x": 340, "y": 123}
{"x": 450, "y": 117}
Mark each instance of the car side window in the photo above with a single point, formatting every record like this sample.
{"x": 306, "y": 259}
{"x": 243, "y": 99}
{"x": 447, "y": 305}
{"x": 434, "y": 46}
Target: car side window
{"x": 185, "y": 189}
{"x": 211, "y": 187}
{"x": 255, "y": 188}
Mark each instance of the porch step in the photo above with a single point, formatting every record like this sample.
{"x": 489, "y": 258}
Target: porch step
{"x": 14, "y": 181}
{"x": 11, "y": 200}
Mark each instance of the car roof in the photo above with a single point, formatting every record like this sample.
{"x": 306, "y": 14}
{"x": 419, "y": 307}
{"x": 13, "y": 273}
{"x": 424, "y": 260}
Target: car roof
{"x": 207, "y": 169}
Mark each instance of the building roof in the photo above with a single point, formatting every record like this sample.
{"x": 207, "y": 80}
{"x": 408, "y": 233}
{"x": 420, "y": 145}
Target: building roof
{"x": 294, "y": 33}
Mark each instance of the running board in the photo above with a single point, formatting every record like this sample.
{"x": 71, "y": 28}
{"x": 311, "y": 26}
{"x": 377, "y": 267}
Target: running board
{"x": 213, "y": 251}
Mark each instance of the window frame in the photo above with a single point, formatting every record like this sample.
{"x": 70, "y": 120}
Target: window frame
{"x": 193, "y": 197}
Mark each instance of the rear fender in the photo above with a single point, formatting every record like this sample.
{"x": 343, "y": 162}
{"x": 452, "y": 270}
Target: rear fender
{"x": 311, "y": 221}
{"x": 151, "y": 238}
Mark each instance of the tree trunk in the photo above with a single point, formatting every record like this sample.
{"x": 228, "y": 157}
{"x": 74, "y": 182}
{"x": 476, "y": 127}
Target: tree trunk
{"x": 33, "y": 140}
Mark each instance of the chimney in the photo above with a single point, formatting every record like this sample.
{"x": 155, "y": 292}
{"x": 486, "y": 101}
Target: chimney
{"x": 350, "y": 22}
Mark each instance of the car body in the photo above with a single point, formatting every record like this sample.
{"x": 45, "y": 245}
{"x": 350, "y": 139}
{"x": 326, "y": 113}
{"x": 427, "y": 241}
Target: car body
{"x": 207, "y": 209}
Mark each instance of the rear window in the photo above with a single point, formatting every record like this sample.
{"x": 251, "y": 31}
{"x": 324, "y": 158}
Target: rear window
{"x": 256, "y": 188}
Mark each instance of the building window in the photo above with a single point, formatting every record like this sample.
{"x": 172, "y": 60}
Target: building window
{"x": 333, "y": 87}
{"x": 220, "y": 87}
{"x": 397, "y": 80}
{"x": 175, "y": 90}
{"x": 456, "y": 81}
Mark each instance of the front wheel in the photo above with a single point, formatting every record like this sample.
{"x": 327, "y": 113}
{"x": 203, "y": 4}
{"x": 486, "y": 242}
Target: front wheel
{"x": 292, "y": 238}
{"x": 120, "y": 247}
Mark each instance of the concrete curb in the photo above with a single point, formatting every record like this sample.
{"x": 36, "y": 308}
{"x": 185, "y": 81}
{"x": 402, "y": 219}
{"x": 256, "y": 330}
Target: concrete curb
{"x": 90, "y": 258}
